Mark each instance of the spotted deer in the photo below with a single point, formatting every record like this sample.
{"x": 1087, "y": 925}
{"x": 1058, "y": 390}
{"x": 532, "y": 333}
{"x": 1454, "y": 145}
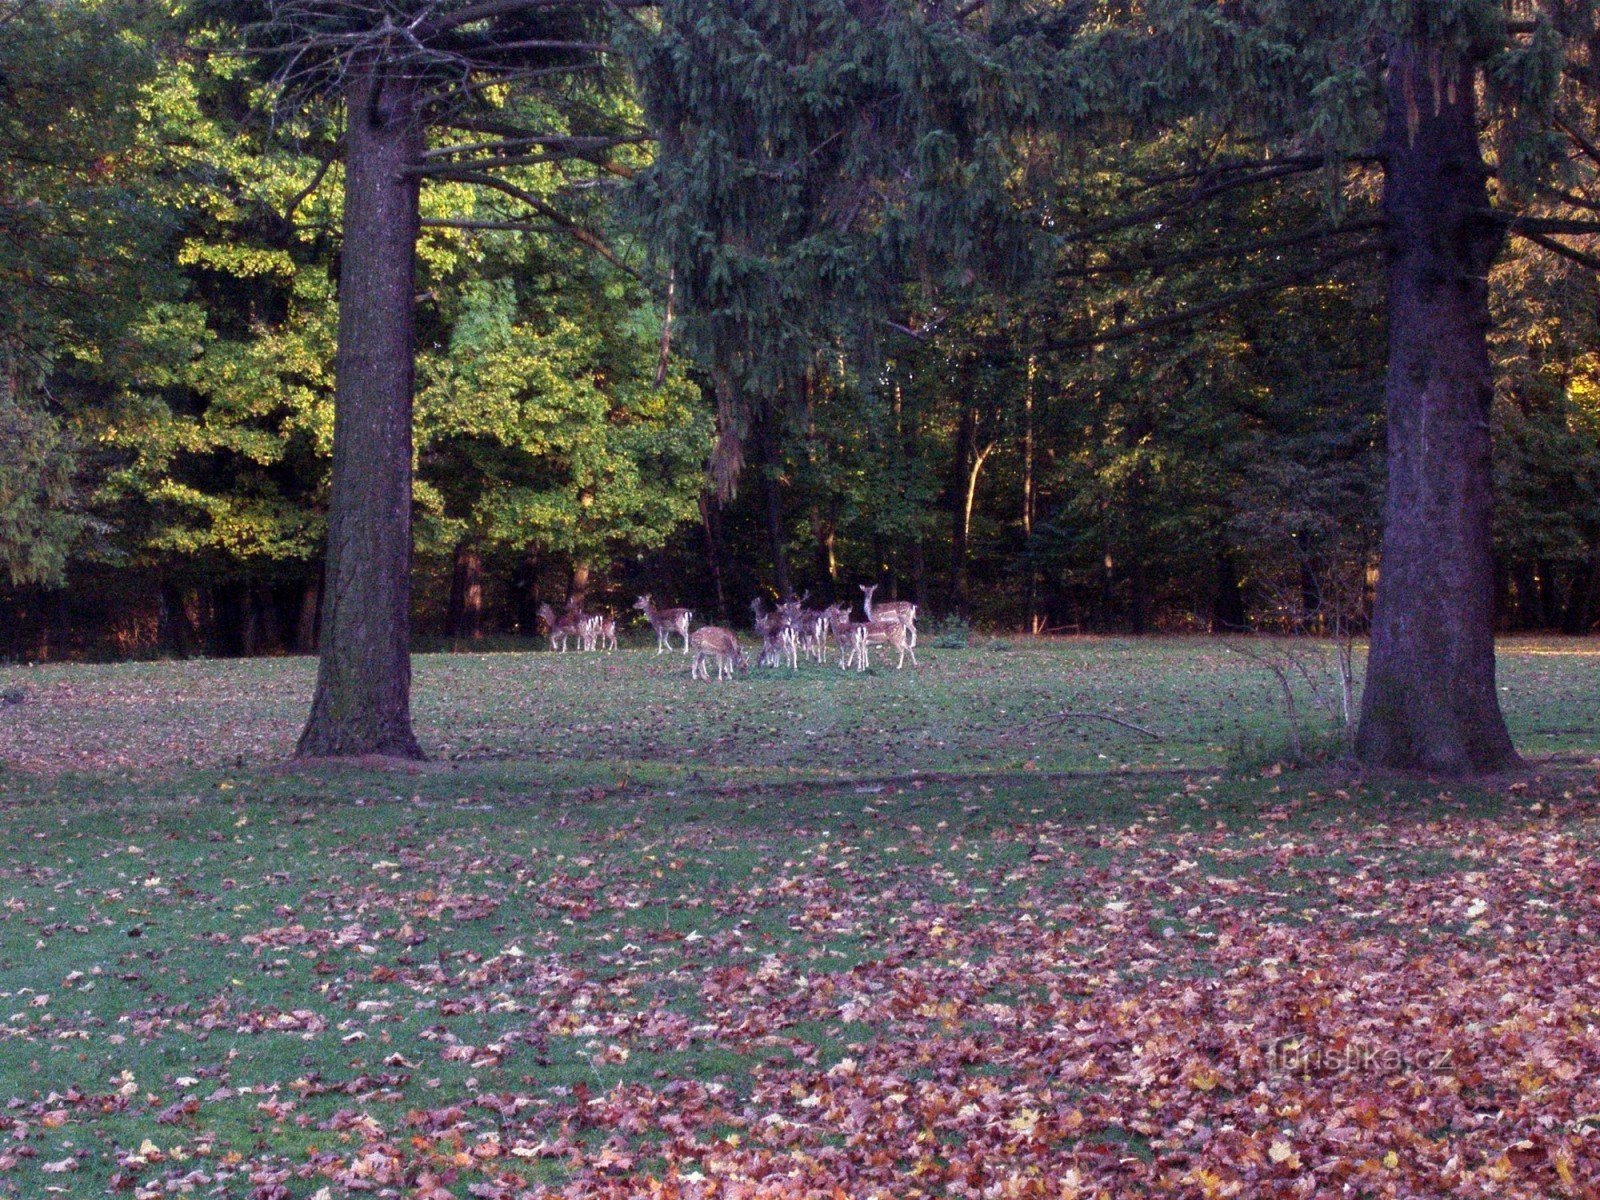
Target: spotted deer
{"x": 891, "y": 610}
{"x": 566, "y": 625}
{"x": 714, "y": 642}
{"x": 888, "y": 632}
{"x": 848, "y": 636}
{"x": 779, "y": 641}
{"x": 666, "y": 622}
{"x": 606, "y": 632}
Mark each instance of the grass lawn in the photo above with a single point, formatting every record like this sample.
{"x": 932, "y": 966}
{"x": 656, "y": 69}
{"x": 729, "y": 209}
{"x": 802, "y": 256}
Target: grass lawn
{"x": 890, "y": 935}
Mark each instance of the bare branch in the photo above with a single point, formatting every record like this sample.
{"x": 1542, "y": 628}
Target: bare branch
{"x": 584, "y": 236}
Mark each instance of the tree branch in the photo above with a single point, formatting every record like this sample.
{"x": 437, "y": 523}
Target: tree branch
{"x": 1158, "y": 264}
{"x": 1194, "y": 198}
{"x": 1226, "y": 300}
{"x": 1578, "y": 256}
{"x": 579, "y": 233}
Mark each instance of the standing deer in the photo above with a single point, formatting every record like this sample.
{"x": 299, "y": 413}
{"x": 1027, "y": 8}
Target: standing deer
{"x": 779, "y": 643}
{"x": 887, "y": 632}
{"x": 891, "y": 610}
{"x": 849, "y": 636}
{"x": 589, "y": 630}
{"x": 666, "y": 622}
{"x": 607, "y": 634}
{"x": 567, "y": 625}
{"x": 712, "y": 641}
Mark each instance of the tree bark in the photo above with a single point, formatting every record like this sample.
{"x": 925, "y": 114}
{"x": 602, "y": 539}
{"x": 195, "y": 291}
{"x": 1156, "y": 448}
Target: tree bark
{"x": 305, "y": 631}
{"x": 464, "y": 617}
{"x": 960, "y": 511}
{"x": 363, "y": 698}
{"x": 1430, "y": 702}
{"x": 772, "y": 491}
{"x": 711, "y": 523}
{"x": 578, "y": 586}
{"x": 1227, "y": 611}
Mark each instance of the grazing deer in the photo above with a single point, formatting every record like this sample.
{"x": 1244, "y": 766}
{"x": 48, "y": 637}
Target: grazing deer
{"x": 888, "y": 632}
{"x": 567, "y": 625}
{"x": 711, "y": 641}
{"x": 891, "y": 610}
{"x": 607, "y": 632}
{"x": 779, "y": 643}
{"x": 666, "y": 622}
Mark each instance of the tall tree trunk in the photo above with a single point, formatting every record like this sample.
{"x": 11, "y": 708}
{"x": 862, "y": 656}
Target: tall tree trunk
{"x": 772, "y": 493}
{"x": 305, "y": 630}
{"x": 960, "y": 515}
{"x": 1430, "y": 702}
{"x": 919, "y": 578}
{"x": 578, "y": 586}
{"x": 1032, "y": 595}
{"x": 363, "y": 698}
{"x": 178, "y": 630}
{"x": 1227, "y": 611}
{"x": 525, "y": 593}
{"x": 711, "y": 523}
{"x": 464, "y": 616}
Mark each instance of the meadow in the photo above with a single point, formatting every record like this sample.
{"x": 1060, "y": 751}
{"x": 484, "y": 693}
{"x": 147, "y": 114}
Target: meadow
{"x": 895, "y": 934}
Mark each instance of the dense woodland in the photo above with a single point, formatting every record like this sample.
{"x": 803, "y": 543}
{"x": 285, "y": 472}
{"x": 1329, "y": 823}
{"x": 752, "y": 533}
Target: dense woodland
{"x": 1167, "y": 424}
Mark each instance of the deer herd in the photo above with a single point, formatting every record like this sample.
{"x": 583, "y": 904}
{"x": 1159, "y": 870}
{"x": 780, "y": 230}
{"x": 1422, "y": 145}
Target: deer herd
{"x": 788, "y": 633}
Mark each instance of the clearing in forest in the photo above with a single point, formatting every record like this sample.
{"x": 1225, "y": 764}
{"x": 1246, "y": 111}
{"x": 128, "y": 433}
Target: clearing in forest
{"x": 571, "y": 958}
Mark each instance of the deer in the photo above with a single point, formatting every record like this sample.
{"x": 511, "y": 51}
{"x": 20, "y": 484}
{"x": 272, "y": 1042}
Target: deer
{"x": 712, "y": 641}
{"x": 888, "y": 632}
{"x": 848, "y": 635}
{"x": 606, "y": 632}
{"x": 666, "y": 622}
{"x": 811, "y": 625}
{"x": 891, "y": 610}
{"x": 567, "y": 625}
{"x": 777, "y": 629}
{"x": 589, "y": 630}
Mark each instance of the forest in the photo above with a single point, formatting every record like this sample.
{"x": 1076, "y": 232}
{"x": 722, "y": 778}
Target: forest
{"x": 168, "y": 341}
{"x": 1198, "y": 398}
{"x": 1048, "y": 317}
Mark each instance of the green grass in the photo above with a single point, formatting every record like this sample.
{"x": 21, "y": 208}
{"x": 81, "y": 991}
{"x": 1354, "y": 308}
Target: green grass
{"x": 637, "y": 715}
{"x": 697, "y": 928}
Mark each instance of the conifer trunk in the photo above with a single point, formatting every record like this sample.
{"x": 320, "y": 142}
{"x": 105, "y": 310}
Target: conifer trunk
{"x": 363, "y": 698}
{"x": 1430, "y": 702}
{"x": 464, "y": 617}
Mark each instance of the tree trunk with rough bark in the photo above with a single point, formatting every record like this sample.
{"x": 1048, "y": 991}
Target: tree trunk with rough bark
{"x": 363, "y": 698}
{"x": 464, "y": 616}
{"x": 1430, "y": 702}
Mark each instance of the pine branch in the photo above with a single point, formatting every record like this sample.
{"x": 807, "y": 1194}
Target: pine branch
{"x": 1225, "y": 301}
{"x": 488, "y": 10}
{"x": 580, "y": 234}
{"x": 1141, "y": 266}
{"x": 1588, "y": 261}
{"x": 570, "y": 144}
{"x": 1193, "y": 199}
{"x": 1550, "y": 225}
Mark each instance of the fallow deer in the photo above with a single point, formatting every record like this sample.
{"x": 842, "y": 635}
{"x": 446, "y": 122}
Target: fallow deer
{"x": 712, "y": 641}
{"x": 779, "y": 643}
{"x": 567, "y": 625}
{"x": 607, "y": 633}
{"x": 666, "y": 622}
{"x": 891, "y": 610}
{"x": 888, "y": 633}
{"x": 849, "y": 636}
